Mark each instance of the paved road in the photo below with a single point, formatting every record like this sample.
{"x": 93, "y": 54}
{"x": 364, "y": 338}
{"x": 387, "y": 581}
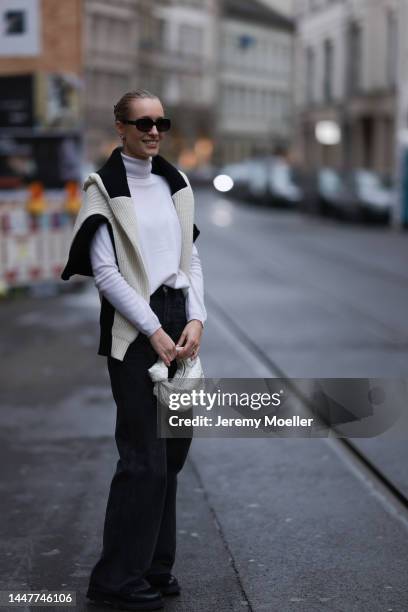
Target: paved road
{"x": 285, "y": 525}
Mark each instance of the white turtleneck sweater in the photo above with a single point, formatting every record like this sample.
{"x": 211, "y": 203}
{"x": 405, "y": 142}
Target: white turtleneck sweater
{"x": 160, "y": 245}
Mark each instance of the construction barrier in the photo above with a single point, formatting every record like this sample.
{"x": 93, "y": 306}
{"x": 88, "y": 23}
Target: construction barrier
{"x": 33, "y": 249}
{"x": 33, "y": 246}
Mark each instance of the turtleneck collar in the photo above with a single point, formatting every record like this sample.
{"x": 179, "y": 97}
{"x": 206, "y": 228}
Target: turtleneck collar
{"x": 137, "y": 168}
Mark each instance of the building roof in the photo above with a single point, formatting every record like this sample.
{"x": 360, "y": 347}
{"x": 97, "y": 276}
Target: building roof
{"x": 255, "y": 12}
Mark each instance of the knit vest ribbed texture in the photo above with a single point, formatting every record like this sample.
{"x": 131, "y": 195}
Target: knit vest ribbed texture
{"x": 120, "y": 212}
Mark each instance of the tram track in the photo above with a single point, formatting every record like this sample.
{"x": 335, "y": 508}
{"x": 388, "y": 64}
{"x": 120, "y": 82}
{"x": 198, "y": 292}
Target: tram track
{"x": 375, "y": 480}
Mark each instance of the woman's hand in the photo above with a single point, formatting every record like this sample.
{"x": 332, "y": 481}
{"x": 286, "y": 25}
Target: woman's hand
{"x": 163, "y": 345}
{"x": 190, "y": 339}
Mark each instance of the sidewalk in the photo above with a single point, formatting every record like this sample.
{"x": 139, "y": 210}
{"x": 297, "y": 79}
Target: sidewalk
{"x": 263, "y": 524}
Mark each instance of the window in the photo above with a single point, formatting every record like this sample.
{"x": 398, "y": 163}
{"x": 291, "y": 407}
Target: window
{"x": 391, "y": 67}
{"x": 190, "y": 88}
{"x": 271, "y": 109}
{"x": 160, "y": 34}
{"x": 190, "y": 39}
{"x": 328, "y": 70}
{"x": 354, "y": 60}
{"x": 257, "y": 103}
{"x": 15, "y": 22}
{"x": 225, "y": 99}
{"x": 310, "y": 75}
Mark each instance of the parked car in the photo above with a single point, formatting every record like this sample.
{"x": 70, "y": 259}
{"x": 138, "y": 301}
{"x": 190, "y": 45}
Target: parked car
{"x": 358, "y": 195}
{"x": 258, "y": 181}
{"x": 240, "y": 173}
{"x": 283, "y": 191}
{"x": 373, "y": 201}
{"x": 272, "y": 182}
{"x": 324, "y": 192}
{"x": 203, "y": 175}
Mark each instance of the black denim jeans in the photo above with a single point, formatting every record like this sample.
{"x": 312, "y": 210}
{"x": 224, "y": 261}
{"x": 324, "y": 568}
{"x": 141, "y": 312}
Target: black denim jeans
{"x": 139, "y": 535}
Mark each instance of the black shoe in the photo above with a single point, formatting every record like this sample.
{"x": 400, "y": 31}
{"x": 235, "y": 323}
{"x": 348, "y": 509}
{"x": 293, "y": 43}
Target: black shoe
{"x": 146, "y": 599}
{"x": 165, "y": 583}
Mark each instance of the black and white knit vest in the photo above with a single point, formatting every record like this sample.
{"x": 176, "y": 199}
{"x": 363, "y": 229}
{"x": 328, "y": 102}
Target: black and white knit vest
{"x": 108, "y": 200}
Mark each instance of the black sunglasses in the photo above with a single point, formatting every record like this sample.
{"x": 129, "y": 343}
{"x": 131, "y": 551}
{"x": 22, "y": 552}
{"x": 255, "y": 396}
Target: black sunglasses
{"x": 145, "y": 124}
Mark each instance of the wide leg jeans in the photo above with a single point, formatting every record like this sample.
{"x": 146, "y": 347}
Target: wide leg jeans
{"x": 139, "y": 536}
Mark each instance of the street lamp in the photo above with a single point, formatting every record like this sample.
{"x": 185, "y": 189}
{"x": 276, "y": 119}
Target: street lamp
{"x": 327, "y": 132}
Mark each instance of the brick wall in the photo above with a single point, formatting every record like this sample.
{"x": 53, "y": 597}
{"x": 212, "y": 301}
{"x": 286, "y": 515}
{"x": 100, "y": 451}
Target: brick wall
{"x": 61, "y": 40}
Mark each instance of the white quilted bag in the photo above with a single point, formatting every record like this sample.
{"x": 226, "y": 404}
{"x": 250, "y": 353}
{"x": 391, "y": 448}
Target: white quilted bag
{"x": 189, "y": 376}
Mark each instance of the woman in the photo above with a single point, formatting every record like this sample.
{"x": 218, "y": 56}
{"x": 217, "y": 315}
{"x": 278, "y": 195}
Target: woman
{"x": 134, "y": 234}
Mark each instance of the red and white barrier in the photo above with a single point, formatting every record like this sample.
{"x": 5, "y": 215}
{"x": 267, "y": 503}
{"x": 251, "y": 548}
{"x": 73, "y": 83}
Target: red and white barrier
{"x": 32, "y": 248}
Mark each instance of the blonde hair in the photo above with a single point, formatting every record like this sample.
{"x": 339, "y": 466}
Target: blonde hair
{"x": 121, "y": 109}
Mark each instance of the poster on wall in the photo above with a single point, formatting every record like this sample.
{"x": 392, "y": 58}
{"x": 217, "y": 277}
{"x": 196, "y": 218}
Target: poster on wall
{"x": 19, "y": 28}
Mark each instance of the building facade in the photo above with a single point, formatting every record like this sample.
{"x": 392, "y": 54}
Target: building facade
{"x": 177, "y": 60}
{"x": 41, "y": 87}
{"x": 222, "y": 68}
{"x": 110, "y": 41}
{"x": 255, "y": 78}
{"x": 346, "y": 73}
